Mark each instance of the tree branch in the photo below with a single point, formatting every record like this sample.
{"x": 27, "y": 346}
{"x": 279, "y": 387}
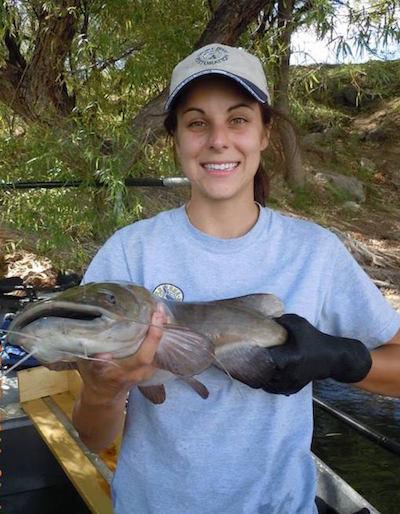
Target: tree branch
{"x": 304, "y": 9}
{"x": 44, "y": 82}
{"x": 36, "y": 90}
{"x": 230, "y": 20}
{"x": 102, "y": 65}
{"x": 14, "y": 55}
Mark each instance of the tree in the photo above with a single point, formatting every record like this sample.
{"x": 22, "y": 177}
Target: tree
{"x": 75, "y": 79}
{"x": 89, "y": 77}
{"x": 56, "y": 53}
{"x": 368, "y": 23}
{"x": 33, "y": 85}
{"x": 294, "y": 171}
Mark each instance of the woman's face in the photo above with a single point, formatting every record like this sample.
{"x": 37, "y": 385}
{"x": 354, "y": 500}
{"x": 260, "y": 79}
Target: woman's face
{"x": 219, "y": 139}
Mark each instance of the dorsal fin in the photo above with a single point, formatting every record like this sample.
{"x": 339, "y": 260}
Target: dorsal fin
{"x": 267, "y": 305}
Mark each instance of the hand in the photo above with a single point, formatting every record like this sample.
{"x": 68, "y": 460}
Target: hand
{"x": 108, "y": 380}
{"x": 309, "y": 354}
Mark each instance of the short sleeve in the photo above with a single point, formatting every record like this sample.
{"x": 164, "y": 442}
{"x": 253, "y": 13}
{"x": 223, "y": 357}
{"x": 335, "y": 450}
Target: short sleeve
{"x": 353, "y": 306}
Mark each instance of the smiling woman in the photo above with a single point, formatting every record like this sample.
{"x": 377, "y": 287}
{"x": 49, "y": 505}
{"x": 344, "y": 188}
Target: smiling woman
{"x": 241, "y": 110}
{"x": 219, "y": 138}
{"x": 246, "y": 448}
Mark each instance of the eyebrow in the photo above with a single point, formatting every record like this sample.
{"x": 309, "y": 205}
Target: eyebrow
{"x": 236, "y": 106}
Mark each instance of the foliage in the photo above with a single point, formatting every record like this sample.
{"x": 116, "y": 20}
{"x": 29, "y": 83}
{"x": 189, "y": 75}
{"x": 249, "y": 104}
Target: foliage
{"x": 115, "y": 66}
{"x": 326, "y": 96}
{"x": 367, "y": 82}
{"x": 121, "y": 56}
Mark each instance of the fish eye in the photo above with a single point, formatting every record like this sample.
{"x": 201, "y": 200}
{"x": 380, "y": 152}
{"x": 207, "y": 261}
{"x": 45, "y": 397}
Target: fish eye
{"x": 111, "y": 298}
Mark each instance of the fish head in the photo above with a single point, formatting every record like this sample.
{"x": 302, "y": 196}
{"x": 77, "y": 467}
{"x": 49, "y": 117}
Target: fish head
{"x": 112, "y": 299}
{"x": 92, "y": 318}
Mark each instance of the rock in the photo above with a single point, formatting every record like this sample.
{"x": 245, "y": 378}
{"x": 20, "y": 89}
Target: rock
{"x": 368, "y": 164}
{"x": 315, "y": 142}
{"x": 396, "y": 178}
{"x": 351, "y": 206}
{"x": 381, "y": 125}
{"x": 312, "y": 140}
{"x": 350, "y": 185}
{"x": 348, "y": 96}
{"x": 378, "y": 135}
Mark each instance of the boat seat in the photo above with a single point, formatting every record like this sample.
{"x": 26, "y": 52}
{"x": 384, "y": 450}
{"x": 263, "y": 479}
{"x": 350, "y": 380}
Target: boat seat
{"x": 48, "y": 397}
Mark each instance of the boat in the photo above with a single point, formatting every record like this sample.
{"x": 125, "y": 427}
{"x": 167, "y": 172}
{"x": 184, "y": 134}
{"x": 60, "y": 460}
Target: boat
{"x": 34, "y": 481}
{"x": 338, "y": 494}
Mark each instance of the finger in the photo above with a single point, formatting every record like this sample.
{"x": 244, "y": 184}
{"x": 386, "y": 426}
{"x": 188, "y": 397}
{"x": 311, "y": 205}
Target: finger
{"x": 161, "y": 310}
{"x": 152, "y": 340}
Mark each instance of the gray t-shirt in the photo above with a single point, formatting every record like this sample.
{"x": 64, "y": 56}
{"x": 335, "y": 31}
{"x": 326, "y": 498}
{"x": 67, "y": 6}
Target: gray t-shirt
{"x": 241, "y": 451}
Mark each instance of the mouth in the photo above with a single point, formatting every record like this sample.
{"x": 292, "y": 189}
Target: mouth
{"x": 81, "y": 312}
{"x": 220, "y": 168}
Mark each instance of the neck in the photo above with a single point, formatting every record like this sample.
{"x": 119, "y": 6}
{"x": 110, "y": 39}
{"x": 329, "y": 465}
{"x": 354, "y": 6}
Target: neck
{"x": 222, "y": 219}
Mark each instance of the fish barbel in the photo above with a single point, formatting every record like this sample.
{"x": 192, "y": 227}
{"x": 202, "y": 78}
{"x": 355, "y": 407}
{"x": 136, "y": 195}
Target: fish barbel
{"x": 113, "y": 317}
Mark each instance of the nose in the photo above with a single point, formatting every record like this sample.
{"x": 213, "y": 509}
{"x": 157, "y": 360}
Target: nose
{"x": 218, "y": 138}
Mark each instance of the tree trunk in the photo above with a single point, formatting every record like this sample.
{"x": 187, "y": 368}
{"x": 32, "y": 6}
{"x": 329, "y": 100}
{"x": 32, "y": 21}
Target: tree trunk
{"x": 294, "y": 171}
{"x": 36, "y": 90}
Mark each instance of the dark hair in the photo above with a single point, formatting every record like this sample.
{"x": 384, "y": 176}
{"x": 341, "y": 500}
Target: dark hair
{"x": 261, "y": 178}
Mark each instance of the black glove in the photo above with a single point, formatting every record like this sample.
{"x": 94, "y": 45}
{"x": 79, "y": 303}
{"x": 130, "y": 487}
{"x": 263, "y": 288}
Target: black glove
{"x": 309, "y": 354}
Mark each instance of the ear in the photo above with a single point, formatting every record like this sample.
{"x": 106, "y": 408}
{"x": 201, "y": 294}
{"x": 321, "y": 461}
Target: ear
{"x": 265, "y": 138}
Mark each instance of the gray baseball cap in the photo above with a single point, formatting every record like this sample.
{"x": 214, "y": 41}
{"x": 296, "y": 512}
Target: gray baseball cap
{"x": 235, "y": 63}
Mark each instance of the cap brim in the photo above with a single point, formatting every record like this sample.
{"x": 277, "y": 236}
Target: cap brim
{"x": 256, "y": 92}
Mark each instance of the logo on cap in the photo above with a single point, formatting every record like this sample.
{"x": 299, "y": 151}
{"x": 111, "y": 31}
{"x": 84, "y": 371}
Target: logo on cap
{"x": 213, "y": 55}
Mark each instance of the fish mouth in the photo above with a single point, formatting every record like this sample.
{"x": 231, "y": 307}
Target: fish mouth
{"x": 74, "y": 311}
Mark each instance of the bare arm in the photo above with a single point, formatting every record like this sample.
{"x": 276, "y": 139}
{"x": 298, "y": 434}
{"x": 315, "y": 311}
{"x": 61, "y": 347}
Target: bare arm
{"x": 384, "y": 376}
{"x": 99, "y": 410}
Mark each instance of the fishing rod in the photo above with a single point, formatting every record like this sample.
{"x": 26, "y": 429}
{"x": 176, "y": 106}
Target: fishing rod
{"x": 169, "y": 182}
{"x": 380, "y": 439}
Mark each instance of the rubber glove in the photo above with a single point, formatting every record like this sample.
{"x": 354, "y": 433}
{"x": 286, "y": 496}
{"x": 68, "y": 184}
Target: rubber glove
{"x": 309, "y": 354}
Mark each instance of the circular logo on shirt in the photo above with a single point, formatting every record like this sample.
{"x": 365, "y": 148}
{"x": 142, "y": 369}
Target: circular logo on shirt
{"x": 168, "y": 292}
{"x": 212, "y": 55}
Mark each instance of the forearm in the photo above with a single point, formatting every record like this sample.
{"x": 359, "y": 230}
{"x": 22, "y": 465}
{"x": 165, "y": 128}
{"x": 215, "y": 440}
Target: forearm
{"x": 384, "y": 376}
{"x": 98, "y": 413}
{"x": 98, "y": 421}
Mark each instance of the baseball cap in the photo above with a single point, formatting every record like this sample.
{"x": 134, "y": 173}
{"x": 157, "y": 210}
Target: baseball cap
{"x": 235, "y": 63}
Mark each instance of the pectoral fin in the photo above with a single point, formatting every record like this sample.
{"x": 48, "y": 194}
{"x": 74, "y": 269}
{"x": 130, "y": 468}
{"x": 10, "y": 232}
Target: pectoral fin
{"x": 156, "y": 394}
{"x": 248, "y": 363}
{"x": 184, "y": 352}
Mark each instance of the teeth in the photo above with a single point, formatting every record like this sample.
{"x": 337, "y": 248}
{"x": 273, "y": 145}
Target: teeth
{"x": 224, "y": 166}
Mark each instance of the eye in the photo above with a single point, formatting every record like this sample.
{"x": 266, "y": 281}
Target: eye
{"x": 111, "y": 299}
{"x": 239, "y": 120}
{"x": 196, "y": 124}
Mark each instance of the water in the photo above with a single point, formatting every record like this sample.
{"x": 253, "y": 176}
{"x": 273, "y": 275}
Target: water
{"x": 372, "y": 470}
